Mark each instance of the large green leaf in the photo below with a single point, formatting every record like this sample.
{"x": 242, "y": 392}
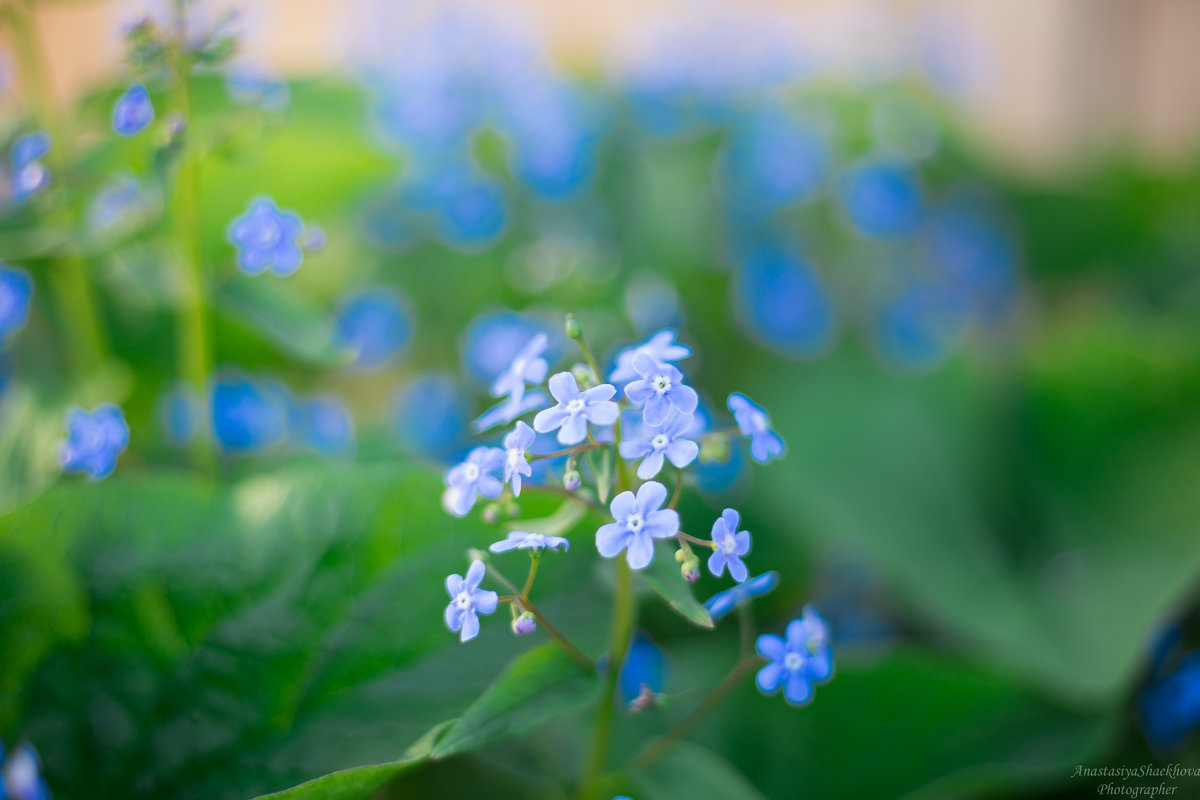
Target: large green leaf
{"x": 687, "y": 771}
{"x": 664, "y": 577}
{"x": 282, "y": 316}
{"x": 539, "y": 685}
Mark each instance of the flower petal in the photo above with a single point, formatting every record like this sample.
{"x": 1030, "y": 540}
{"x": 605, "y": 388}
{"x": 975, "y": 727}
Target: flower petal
{"x": 549, "y": 419}
{"x": 682, "y": 452}
{"x": 563, "y": 387}
{"x": 639, "y": 392}
{"x": 662, "y": 524}
{"x": 716, "y": 563}
{"x": 684, "y": 398}
{"x": 651, "y": 495}
{"x": 453, "y": 617}
{"x": 769, "y": 677}
{"x": 797, "y": 690}
{"x": 474, "y": 575}
{"x": 611, "y": 539}
{"x": 623, "y": 505}
{"x": 470, "y": 625}
{"x": 641, "y": 550}
{"x": 650, "y": 465}
{"x": 454, "y": 585}
{"x": 737, "y": 569}
{"x": 656, "y": 409}
{"x": 771, "y": 646}
{"x": 573, "y": 431}
{"x": 485, "y": 601}
{"x": 603, "y": 412}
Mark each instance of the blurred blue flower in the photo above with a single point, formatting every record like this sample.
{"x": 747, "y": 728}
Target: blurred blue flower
{"x": 16, "y": 294}
{"x": 730, "y": 545}
{"x": 973, "y": 255}
{"x": 554, "y": 142}
{"x": 468, "y": 208}
{"x": 180, "y": 411}
{"x": 494, "y": 338}
{"x": 431, "y": 415}
{"x": 506, "y": 410}
{"x": 773, "y": 160}
{"x": 654, "y": 443}
{"x": 798, "y": 662}
{"x": 722, "y": 603}
{"x": 651, "y": 304}
{"x": 715, "y": 475}
{"x": 374, "y": 324}
{"x": 249, "y": 85}
{"x": 575, "y": 409}
{"x": 639, "y": 520}
{"x": 516, "y": 448}
{"x": 659, "y": 390}
{"x": 325, "y": 425}
{"x": 919, "y": 327}
{"x": 473, "y": 477}
{"x": 119, "y": 200}
{"x": 524, "y": 540}
{"x": 94, "y": 440}
{"x": 882, "y": 198}
{"x": 661, "y": 347}
{"x": 1170, "y": 705}
{"x": 267, "y": 238}
{"x": 645, "y": 665}
{"x": 133, "y": 112}
{"x": 21, "y": 775}
{"x": 467, "y": 601}
{"x": 248, "y": 414}
{"x": 781, "y": 301}
{"x": 753, "y": 422}
{"x": 528, "y": 366}
{"x": 29, "y": 174}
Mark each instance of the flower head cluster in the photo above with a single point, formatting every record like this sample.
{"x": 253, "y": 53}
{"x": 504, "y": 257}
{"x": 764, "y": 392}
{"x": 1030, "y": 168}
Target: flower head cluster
{"x": 798, "y": 661}
{"x": 94, "y": 440}
{"x": 16, "y": 291}
{"x": 267, "y": 238}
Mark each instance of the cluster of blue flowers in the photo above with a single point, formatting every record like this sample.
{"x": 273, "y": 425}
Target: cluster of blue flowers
{"x": 649, "y": 419}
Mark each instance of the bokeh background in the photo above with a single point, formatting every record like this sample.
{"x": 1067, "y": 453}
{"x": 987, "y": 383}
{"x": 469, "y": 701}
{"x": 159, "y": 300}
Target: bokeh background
{"x": 953, "y": 247}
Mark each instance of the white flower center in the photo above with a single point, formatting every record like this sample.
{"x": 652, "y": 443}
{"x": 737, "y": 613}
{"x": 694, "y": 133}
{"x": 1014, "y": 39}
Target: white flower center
{"x": 729, "y": 544}
{"x": 793, "y": 661}
{"x": 515, "y": 456}
{"x": 575, "y": 406}
{"x": 758, "y": 421}
{"x": 463, "y": 601}
{"x": 472, "y": 472}
{"x": 635, "y": 522}
{"x": 659, "y": 442}
{"x": 662, "y": 384}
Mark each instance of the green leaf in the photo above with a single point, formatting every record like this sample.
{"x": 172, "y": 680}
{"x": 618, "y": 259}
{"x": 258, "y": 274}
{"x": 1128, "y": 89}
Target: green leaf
{"x": 539, "y": 685}
{"x": 687, "y": 771}
{"x": 348, "y": 784}
{"x": 664, "y": 577}
{"x": 601, "y": 463}
{"x": 283, "y": 317}
{"x": 564, "y": 518}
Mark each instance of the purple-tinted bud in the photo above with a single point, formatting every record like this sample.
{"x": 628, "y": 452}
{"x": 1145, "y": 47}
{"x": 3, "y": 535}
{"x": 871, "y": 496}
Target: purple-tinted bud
{"x": 645, "y": 699}
{"x": 176, "y": 124}
{"x": 524, "y": 624}
{"x": 572, "y": 480}
{"x": 491, "y": 513}
{"x": 313, "y": 239}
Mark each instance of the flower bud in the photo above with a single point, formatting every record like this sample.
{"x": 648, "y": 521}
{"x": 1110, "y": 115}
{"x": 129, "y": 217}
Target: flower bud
{"x": 313, "y": 239}
{"x": 690, "y": 571}
{"x": 583, "y": 376}
{"x": 491, "y": 513}
{"x": 714, "y": 449}
{"x": 524, "y": 624}
{"x": 572, "y": 480}
{"x": 573, "y": 328}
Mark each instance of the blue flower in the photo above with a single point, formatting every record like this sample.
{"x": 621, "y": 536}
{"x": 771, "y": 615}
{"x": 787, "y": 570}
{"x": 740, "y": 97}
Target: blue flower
{"x": 1170, "y": 705}
{"x": 22, "y": 775}
{"x": 374, "y": 325}
{"x": 554, "y": 147}
{"x": 729, "y": 545}
{"x": 919, "y": 327}
{"x": 524, "y": 540}
{"x": 528, "y": 366}
{"x": 639, "y": 521}
{"x": 29, "y": 174}
{"x": 468, "y": 208}
{"x": 325, "y": 425}
{"x": 94, "y": 440}
{"x": 267, "y": 238}
{"x": 467, "y": 601}
{"x": 473, "y": 477}
{"x": 798, "y": 662}
{"x": 773, "y": 160}
{"x": 516, "y": 463}
{"x": 666, "y": 440}
{"x": 660, "y": 389}
{"x": 494, "y": 338}
{"x": 781, "y": 301}
{"x": 246, "y": 414}
{"x": 722, "y": 603}
{"x": 118, "y": 201}
{"x": 661, "y": 347}
{"x": 882, "y": 199}
{"x": 644, "y": 667}
{"x": 431, "y": 415}
{"x": 973, "y": 254}
{"x": 16, "y": 293}
{"x": 576, "y": 409}
{"x": 180, "y": 412}
{"x": 133, "y": 111}
{"x": 753, "y": 421}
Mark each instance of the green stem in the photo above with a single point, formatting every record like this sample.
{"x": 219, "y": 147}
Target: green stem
{"x": 573, "y": 651}
{"x": 687, "y": 537}
{"x": 624, "y": 612}
{"x": 678, "y": 488}
{"x": 715, "y": 696}
{"x": 568, "y": 451}
{"x": 535, "y": 558}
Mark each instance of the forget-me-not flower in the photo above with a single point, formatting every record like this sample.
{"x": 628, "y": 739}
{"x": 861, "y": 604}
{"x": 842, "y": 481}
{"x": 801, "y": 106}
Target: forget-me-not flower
{"x": 133, "y": 111}
{"x": 473, "y": 477}
{"x": 325, "y": 425}
{"x": 660, "y": 389}
{"x": 467, "y": 601}
{"x": 722, "y": 603}
{"x": 883, "y": 199}
{"x": 374, "y": 325}
{"x": 528, "y": 366}
{"x": 180, "y": 411}
{"x": 576, "y": 409}
{"x": 661, "y": 347}
{"x": 267, "y": 238}
{"x": 753, "y": 421}
{"x": 94, "y": 440}
{"x": 797, "y": 662}
{"x": 29, "y": 174}
{"x": 656, "y": 442}
{"x": 516, "y": 462}
{"x": 524, "y": 540}
{"x": 16, "y": 291}
{"x": 640, "y": 519}
{"x": 21, "y": 776}
{"x": 248, "y": 414}
{"x": 430, "y": 414}
{"x": 729, "y": 545}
